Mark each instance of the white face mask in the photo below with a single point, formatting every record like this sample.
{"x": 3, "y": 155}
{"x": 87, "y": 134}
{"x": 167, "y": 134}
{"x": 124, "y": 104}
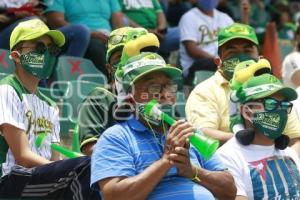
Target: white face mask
{"x": 140, "y": 107}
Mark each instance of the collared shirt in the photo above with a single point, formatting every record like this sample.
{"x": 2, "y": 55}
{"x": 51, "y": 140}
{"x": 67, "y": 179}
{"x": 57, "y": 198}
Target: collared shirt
{"x": 207, "y": 107}
{"x": 128, "y": 148}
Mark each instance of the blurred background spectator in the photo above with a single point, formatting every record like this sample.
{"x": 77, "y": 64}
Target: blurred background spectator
{"x": 291, "y": 65}
{"x": 198, "y": 37}
{"x": 149, "y": 14}
{"x": 13, "y": 12}
{"x": 99, "y": 16}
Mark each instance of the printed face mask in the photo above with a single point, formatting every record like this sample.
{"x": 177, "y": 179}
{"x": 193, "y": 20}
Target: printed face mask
{"x": 270, "y": 123}
{"x": 229, "y": 64}
{"x": 40, "y": 65}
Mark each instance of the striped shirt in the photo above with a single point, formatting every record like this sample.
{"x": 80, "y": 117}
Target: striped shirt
{"x": 33, "y": 113}
{"x": 262, "y": 172}
{"x": 128, "y": 148}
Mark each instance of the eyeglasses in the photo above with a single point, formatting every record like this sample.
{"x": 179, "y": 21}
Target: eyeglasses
{"x": 40, "y": 47}
{"x": 158, "y": 88}
{"x": 271, "y": 104}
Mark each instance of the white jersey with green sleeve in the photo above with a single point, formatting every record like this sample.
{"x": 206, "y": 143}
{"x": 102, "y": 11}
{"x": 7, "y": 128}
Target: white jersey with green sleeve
{"x": 33, "y": 113}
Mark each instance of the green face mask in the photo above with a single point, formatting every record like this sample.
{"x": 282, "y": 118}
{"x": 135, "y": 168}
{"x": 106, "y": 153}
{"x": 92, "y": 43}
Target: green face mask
{"x": 270, "y": 123}
{"x": 229, "y": 64}
{"x": 37, "y": 64}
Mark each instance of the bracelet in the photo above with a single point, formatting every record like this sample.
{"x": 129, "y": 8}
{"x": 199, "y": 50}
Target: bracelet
{"x": 196, "y": 178}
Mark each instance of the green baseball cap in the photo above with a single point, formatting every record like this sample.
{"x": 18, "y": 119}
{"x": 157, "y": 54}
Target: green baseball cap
{"x": 140, "y": 65}
{"x": 262, "y": 86}
{"x": 236, "y": 31}
{"x": 33, "y": 29}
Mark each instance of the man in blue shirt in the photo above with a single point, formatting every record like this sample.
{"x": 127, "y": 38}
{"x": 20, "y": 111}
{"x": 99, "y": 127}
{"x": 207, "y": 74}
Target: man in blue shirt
{"x": 140, "y": 158}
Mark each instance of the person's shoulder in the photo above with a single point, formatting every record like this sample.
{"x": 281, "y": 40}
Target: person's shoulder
{"x": 11, "y": 86}
{"x": 291, "y": 153}
{"x": 223, "y": 16}
{"x": 206, "y": 85}
{"x": 191, "y": 13}
{"x": 46, "y": 99}
{"x": 100, "y": 90}
{"x": 230, "y": 147}
{"x": 119, "y": 129}
{"x": 100, "y": 93}
{"x": 295, "y": 56}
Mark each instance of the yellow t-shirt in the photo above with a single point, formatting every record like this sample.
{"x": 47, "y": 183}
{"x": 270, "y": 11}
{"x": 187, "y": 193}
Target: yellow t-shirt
{"x": 207, "y": 107}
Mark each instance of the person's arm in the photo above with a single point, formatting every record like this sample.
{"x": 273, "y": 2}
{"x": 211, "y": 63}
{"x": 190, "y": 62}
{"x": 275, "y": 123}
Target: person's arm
{"x": 137, "y": 187}
{"x": 296, "y": 78}
{"x": 194, "y": 51}
{"x": 55, "y": 155}
{"x": 19, "y": 145}
{"x": 222, "y": 136}
{"x": 56, "y": 19}
{"x": 87, "y": 149}
{"x": 161, "y": 21}
{"x": 161, "y": 27}
{"x": 117, "y": 20}
{"x": 209, "y": 118}
{"x": 292, "y": 129}
{"x": 214, "y": 181}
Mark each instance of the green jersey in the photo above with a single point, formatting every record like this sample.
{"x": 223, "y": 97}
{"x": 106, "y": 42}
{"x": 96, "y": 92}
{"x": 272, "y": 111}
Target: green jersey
{"x": 95, "y": 115}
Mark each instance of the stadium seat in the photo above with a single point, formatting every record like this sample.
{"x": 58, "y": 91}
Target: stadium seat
{"x": 70, "y": 68}
{"x": 2, "y": 75}
{"x": 201, "y": 76}
{"x": 285, "y": 49}
{"x": 6, "y": 64}
{"x": 52, "y": 93}
{"x": 74, "y": 94}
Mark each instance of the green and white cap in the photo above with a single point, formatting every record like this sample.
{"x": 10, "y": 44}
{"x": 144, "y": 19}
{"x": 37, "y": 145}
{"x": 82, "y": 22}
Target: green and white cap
{"x": 262, "y": 86}
{"x": 143, "y": 64}
{"x": 236, "y": 31}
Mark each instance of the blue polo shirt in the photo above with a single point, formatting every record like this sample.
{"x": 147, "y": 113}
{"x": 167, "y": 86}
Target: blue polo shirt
{"x": 128, "y": 148}
{"x": 96, "y": 14}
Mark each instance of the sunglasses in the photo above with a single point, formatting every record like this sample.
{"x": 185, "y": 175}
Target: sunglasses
{"x": 271, "y": 104}
{"x": 41, "y": 48}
